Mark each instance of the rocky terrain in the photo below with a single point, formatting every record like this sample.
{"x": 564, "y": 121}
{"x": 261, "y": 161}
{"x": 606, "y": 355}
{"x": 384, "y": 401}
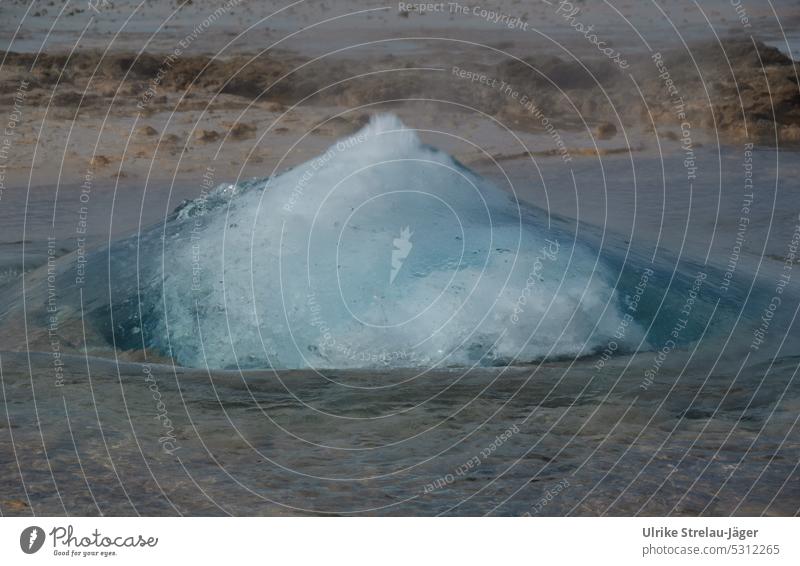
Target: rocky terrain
{"x": 737, "y": 90}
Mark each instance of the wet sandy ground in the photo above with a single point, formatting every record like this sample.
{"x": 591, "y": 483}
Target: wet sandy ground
{"x": 544, "y": 441}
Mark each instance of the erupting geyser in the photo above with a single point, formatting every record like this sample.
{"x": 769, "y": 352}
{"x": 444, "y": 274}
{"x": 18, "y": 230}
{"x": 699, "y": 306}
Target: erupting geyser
{"x": 380, "y": 252}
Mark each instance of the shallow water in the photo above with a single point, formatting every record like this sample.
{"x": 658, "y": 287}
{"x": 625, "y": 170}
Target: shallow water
{"x": 486, "y": 442}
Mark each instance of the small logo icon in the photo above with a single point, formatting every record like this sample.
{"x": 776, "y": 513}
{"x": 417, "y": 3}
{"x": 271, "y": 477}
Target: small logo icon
{"x": 31, "y": 540}
{"x": 402, "y": 247}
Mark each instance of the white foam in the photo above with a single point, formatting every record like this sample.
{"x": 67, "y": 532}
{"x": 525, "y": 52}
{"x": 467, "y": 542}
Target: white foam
{"x": 380, "y": 252}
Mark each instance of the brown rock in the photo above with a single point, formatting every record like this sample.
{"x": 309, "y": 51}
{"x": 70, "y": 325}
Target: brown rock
{"x": 206, "y": 136}
{"x": 15, "y": 505}
{"x": 100, "y": 161}
{"x": 791, "y": 134}
{"x": 242, "y": 131}
{"x": 605, "y": 131}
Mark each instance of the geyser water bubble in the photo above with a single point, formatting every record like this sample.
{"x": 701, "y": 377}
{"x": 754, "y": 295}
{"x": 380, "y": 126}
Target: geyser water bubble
{"x": 382, "y": 251}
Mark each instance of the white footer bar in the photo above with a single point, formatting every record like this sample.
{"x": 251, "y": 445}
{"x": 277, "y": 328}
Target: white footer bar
{"x": 400, "y": 541}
